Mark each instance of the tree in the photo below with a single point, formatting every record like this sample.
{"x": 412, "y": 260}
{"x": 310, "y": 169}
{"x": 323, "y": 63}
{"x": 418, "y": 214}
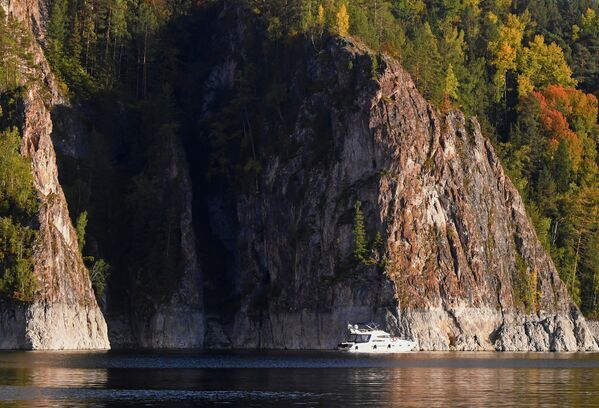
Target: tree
{"x": 590, "y": 21}
{"x": 17, "y": 205}
{"x": 321, "y": 17}
{"x": 89, "y": 35}
{"x": 14, "y": 54}
{"x": 450, "y": 88}
{"x": 342, "y": 21}
{"x": 504, "y": 51}
{"x": 98, "y": 273}
{"x": 16, "y": 181}
{"x": 80, "y": 227}
{"x": 541, "y": 65}
{"x": 424, "y": 63}
{"x": 57, "y": 26}
{"x": 360, "y": 250}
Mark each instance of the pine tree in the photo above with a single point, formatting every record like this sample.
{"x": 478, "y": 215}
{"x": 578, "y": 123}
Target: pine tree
{"x": 57, "y": 31}
{"x": 360, "y": 250}
{"x": 425, "y": 64}
{"x": 57, "y": 26}
{"x": 562, "y": 167}
{"x": 80, "y": 227}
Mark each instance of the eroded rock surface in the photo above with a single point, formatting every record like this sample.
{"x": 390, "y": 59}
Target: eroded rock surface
{"x": 64, "y": 314}
{"x": 454, "y": 261}
{"x": 459, "y": 264}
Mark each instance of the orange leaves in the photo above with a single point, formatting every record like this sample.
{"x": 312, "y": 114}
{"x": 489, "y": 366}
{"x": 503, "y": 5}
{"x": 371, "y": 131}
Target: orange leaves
{"x": 580, "y": 108}
{"x": 566, "y": 114}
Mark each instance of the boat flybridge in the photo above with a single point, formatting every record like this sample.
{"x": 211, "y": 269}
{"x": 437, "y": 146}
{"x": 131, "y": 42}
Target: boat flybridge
{"x": 368, "y": 338}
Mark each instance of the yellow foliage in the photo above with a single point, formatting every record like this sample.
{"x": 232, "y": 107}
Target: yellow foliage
{"x": 503, "y": 4}
{"x": 506, "y": 47}
{"x": 474, "y": 5}
{"x": 451, "y": 85}
{"x": 525, "y": 85}
{"x": 492, "y": 17}
{"x": 575, "y": 32}
{"x": 541, "y": 65}
{"x": 589, "y": 19}
{"x": 342, "y": 23}
{"x": 321, "y": 18}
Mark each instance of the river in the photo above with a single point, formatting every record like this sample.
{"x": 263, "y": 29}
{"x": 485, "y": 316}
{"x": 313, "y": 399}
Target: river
{"x": 297, "y": 379}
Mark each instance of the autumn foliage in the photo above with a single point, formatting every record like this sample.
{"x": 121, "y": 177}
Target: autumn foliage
{"x": 566, "y": 114}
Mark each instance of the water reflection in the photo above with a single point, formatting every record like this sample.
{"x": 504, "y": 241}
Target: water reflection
{"x": 297, "y": 379}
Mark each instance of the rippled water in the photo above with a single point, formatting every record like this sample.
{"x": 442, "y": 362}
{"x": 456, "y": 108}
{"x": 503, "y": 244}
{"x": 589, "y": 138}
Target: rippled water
{"x": 305, "y": 379}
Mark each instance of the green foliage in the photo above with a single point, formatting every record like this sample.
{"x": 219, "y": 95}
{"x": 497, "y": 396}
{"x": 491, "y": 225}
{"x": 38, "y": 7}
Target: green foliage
{"x": 14, "y": 52}
{"x": 546, "y": 160}
{"x": 99, "y": 271}
{"x": 525, "y": 285}
{"x": 18, "y": 200}
{"x": 80, "y": 226}
{"x": 450, "y": 88}
{"x": 18, "y": 205}
{"x": 366, "y": 253}
{"x": 360, "y": 250}
{"x": 424, "y": 62}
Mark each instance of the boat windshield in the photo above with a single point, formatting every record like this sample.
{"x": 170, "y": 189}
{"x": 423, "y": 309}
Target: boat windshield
{"x": 359, "y": 338}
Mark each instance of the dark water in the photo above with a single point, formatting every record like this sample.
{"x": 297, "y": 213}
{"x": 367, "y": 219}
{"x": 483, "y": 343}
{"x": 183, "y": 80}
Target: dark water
{"x": 297, "y": 379}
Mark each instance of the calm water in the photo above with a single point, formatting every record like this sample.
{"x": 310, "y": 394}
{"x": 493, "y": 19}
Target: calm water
{"x": 297, "y": 379}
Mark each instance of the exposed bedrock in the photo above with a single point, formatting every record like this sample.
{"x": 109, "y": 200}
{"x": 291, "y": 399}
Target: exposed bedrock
{"x": 458, "y": 265}
{"x": 64, "y": 313}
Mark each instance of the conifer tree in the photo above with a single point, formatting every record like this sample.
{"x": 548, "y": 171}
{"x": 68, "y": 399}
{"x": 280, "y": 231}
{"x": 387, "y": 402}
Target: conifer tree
{"x": 450, "y": 89}
{"x": 425, "y": 64}
{"x": 342, "y": 21}
{"x": 359, "y": 233}
{"x": 57, "y": 30}
{"x": 321, "y": 17}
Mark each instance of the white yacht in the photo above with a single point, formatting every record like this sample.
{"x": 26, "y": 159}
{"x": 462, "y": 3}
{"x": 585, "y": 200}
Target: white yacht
{"x": 368, "y": 338}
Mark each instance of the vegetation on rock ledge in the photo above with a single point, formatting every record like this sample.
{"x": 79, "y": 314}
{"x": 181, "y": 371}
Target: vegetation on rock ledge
{"x": 18, "y": 201}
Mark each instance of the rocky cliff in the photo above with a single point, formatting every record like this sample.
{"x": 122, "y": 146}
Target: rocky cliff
{"x": 64, "y": 314}
{"x": 267, "y": 260}
{"x": 454, "y": 263}
{"x": 178, "y": 321}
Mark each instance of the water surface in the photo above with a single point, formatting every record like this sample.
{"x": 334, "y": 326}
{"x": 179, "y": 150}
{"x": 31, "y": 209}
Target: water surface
{"x": 297, "y": 379}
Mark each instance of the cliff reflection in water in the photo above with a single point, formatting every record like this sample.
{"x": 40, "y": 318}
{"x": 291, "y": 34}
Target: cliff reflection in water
{"x": 297, "y": 379}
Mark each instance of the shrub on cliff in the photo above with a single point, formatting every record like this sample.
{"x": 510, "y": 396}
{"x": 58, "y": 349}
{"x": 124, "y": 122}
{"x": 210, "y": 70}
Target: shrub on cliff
{"x": 18, "y": 205}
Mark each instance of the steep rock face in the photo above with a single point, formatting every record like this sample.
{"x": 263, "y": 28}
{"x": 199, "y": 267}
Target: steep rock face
{"x": 178, "y": 323}
{"x": 135, "y": 316}
{"x": 462, "y": 251}
{"x": 457, "y": 265}
{"x": 65, "y": 314}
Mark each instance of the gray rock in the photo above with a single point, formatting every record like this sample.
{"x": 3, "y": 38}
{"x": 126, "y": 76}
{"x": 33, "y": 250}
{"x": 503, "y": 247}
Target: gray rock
{"x": 454, "y": 229}
{"x": 65, "y": 314}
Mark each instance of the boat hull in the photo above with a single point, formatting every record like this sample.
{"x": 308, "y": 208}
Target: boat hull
{"x": 392, "y": 347}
